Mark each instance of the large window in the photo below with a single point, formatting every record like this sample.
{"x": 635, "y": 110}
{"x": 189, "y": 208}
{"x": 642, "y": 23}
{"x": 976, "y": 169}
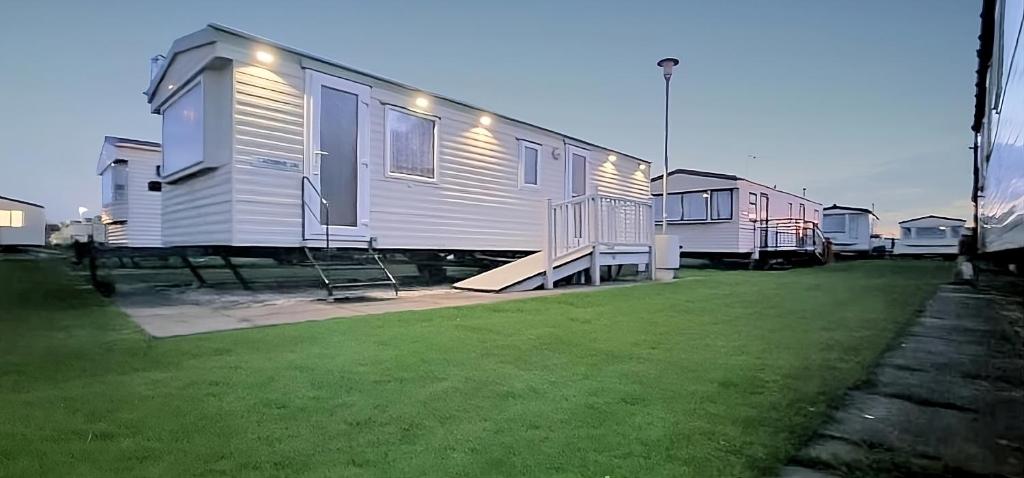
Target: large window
{"x": 183, "y": 131}
{"x": 905, "y": 233}
{"x": 115, "y": 183}
{"x": 834, "y": 223}
{"x": 695, "y": 206}
{"x": 529, "y": 163}
{"x": 721, "y": 205}
{"x": 929, "y": 233}
{"x": 716, "y": 205}
{"x": 409, "y": 144}
{"x": 12, "y": 218}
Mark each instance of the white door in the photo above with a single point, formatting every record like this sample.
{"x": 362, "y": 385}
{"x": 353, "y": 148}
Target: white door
{"x": 335, "y": 190}
{"x": 575, "y": 171}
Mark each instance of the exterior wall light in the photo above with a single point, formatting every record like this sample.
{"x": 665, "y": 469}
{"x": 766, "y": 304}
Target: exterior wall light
{"x": 264, "y": 57}
{"x": 612, "y": 157}
{"x": 485, "y": 120}
{"x": 643, "y": 166}
{"x": 422, "y": 102}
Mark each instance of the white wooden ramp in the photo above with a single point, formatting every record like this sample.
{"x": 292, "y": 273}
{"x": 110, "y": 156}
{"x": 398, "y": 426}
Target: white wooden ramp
{"x": 528, "y": 273}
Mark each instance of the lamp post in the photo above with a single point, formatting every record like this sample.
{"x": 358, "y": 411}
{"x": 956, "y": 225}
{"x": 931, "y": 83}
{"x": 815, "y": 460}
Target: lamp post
{"x": 666, "y": 64}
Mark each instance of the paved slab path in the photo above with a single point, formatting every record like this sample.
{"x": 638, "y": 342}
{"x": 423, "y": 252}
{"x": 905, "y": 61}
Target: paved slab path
{"x": 948, "y": 400}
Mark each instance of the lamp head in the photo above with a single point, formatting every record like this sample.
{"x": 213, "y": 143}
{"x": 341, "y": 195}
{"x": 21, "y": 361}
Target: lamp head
{"x": 667, "y": 64}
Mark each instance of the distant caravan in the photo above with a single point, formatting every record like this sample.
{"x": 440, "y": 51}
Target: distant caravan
{"x": 721, "y": 216}
{"x": 852, "y": 231}
{"x": 930, "y": 236}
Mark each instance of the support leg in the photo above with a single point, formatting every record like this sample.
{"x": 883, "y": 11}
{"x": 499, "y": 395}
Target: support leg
{"x": 200, "y": 281}
{"x": 235, "y": 272}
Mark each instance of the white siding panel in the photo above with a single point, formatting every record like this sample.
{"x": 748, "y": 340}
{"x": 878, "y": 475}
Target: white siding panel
{"x": 268, "y": 125}
{"x": 117, "y": 234}
{"x": 144, "y": 228}
{"x": 197, "y": 211}
{"x": 477, "y": 202}
{"x": 33, "y": 230}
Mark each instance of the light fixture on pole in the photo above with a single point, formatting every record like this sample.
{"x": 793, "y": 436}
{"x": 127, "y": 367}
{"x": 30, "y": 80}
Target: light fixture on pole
{"x": 81, "y": 212}
{"x": 667, "y": 64}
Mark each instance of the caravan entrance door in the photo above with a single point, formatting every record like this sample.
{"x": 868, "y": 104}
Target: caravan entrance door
{"x": 337, "y": 175}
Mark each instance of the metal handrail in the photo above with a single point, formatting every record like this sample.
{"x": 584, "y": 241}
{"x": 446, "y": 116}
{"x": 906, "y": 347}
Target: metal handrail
{"x": 327, "y": 210}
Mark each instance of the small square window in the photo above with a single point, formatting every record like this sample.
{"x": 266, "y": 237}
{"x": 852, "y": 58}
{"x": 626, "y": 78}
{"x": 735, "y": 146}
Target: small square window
{"x": 410, "y": 143}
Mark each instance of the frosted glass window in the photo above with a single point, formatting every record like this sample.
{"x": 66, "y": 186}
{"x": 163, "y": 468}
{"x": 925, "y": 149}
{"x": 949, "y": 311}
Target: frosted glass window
{"x": 579, "y": 175}
{"x": 834, "y": 223}
{"x": 695, "y": 206}
{"x": 12, "y": 218}
{"x": 530, "y": 158}
{"x": 183, "y": 131}
{"x": 410, "y": 144}
{"x": 721, "y": 205}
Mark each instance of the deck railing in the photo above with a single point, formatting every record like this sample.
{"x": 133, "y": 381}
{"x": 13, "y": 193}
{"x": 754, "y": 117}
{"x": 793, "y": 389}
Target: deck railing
{"x": 597, "y": 220}
{"x": 789, "y": 234}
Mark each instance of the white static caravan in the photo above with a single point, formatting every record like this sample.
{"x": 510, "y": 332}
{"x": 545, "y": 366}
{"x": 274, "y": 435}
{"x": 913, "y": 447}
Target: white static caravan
{"x": 930, "y": 235}
{"x": 851, "y": 229}
{"x": 130, "y": 191}
{"x": 726, "y": 216}
{"x": 268, "y": 146}
{"x": 998, "y": 127}
{"x": 21, "y": 223}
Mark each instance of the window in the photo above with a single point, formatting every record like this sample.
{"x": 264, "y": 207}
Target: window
{"x": 803, "y": 212}
{"x": 409, "y": 143}
{"x": 817, "y": 216}
{"x": 834, "y": 223}
{"x": 529, "y": 163}
{"x": 183, "y": 131}
{"x": 929, "y": 233}
{"x": 790, "y": 215}
{"x": 12, "y": 218}
{"x": 752, "y": 206}
{"x": 956, "y": 231}
{"x": 675, "y": 207}
{"x": 695, "y": 206}
{"x": 721, "y": 205}
{"x": 905, "y": 232}
{"x": 115, "y": 182}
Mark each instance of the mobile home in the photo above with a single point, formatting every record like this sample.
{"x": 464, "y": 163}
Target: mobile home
{"x": 930, "y": 235}
{"x": 89, "y": 229}
{"x": 851, "y": 229}
{"x": 271, "y": 147}
{"x": 726, "y": 216}
{"x": 998, "y": 118}
{"x": 130, "y": 191}
{"x": 22, "y": 223}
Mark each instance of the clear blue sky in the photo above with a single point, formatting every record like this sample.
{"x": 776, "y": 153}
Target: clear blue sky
{"x": 859, "y": 101}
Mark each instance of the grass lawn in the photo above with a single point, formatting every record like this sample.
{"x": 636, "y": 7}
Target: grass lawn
{"x": 718, "y": 374}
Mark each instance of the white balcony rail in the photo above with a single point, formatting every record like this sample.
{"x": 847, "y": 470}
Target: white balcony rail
{"x": 597, "y": 220}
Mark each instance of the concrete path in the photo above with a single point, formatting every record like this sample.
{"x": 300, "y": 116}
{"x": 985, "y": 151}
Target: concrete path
{"x": 182, "y": 311}
{"x": 948, "y": 400}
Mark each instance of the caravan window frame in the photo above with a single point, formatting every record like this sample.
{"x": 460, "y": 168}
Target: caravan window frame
{"x": 178, "y": 95}
{"x": 435, "y": 122}
{"x": 523, "y": 145}
{"x": 8, "y": 216}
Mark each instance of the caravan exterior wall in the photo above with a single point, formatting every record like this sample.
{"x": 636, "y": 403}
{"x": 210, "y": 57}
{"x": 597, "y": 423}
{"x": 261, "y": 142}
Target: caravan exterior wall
{"x": 720, "y": 229}
{"x": 21, "y": 223}
{"x": 261, "y": 152}
{"x": 999, "y": 127}
{"x": 131, "y": 204}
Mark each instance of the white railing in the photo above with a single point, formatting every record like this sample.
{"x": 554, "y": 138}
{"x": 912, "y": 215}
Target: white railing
{"x": 596, "y": 220}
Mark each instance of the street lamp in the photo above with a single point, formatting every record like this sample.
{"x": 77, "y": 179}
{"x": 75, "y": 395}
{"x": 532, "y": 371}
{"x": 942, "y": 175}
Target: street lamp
{"x": 666, "y": 64}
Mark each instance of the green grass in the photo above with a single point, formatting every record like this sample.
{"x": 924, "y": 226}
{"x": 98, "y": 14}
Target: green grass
{"x": 718, "y": 374}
